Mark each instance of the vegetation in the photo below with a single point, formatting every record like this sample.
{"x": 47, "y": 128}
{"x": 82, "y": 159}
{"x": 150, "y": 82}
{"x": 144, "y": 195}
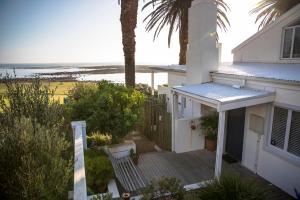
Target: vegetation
{"x": 164, "y": 189}
{"x": 209, "y": 126}
{"x": 268, "y": 11}
{"x": 60, "y": 89}
{"x": 128, "y": 20}
{"x": 231, "y": 186}
{"x": 98, "y": 170}
{"x": 134, "y": 156}
{"x": 174, "y": 14}
{"x": 145, "y": 89}
{"x": 98, "y": 139}
{"x": 228, "y": 187}
{"x": 106, "y": 107}
{"x": 36, "y": 161}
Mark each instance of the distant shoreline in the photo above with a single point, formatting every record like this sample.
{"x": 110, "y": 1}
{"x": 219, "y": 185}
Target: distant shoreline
{"x": 71, "y": 76}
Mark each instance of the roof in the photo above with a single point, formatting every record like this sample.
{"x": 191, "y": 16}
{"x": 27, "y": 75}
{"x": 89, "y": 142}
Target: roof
{"x": 294, "y": 10}
{"x": 223, "y": 96}
{"x": 283, "y": 72}
{"x": 170, "y": 68}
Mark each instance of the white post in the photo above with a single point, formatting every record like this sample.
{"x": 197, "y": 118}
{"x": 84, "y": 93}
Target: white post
{"x": 174, "y": 118}
{"x": 80, "y": 190}
{"x": 152, "y": 82}
{"x": 220, "y": 143}
{"x": 82, "y": 124}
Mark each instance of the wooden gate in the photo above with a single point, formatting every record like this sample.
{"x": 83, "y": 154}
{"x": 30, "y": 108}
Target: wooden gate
{"x": 157, "y": 121}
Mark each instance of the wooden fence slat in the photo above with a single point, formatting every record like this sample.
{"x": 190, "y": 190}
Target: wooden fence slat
{"x": 157, "y": 121}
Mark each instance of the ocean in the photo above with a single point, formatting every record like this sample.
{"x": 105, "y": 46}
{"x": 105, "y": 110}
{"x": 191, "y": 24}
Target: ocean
{"x": 79, "y": 72}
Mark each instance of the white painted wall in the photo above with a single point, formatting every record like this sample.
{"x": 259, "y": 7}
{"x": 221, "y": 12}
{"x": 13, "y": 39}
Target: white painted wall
{"x": 279, "y": 171}
{"x": 265, "y": 46}
{"x": 202, "y": 54}
{"x": 176, "y": 79}
{"x": 187, "y": 139}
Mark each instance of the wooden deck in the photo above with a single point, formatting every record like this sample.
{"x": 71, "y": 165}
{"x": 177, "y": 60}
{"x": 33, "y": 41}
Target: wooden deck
{"x": 196, "y": 166}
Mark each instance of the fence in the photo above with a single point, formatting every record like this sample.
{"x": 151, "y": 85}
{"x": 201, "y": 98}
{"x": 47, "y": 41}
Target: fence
{"x": 157, "y": 121}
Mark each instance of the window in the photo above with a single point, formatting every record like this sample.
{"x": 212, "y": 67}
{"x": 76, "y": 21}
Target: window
{"x": 285, "y": 133}
{"x": 291, "y": 41}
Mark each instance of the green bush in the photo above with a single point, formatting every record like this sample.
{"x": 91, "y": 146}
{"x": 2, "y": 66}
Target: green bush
{"x": 36, "y": 158}
{"x": 32, "y": 163}
{"x": 98, "y": 170}
{"x": 106, "y": 107}
{"x": 209, "y": 126}
{"x": 98, "y": 139}
{"x": 164, "y": 189}
{"x": 32, "y": 100}
{"x": 231, "y": 187}
{"x": 145, "y": 89}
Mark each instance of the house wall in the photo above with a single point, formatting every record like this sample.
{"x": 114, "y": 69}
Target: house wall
{"x": 187, "y": 139}
{"x": 176, "y": 79}
{"x": 265, "y": 46}
{"x": 202, "y": 53}
{"x": 256, "y": 155}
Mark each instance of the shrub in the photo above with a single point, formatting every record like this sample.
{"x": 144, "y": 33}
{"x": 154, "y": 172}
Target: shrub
{"x": 98, "y": 139}
{"x": 209, "y": 126}
{"x": 164, "y": 189}
{"x": 145, "y": 89}
{"x": 98, "y": 170}
{"x": 106, "y": 107}
{"x": 231, "y": 186}
{"x": 36, "y": 159}
{"x": 32, "y": 100}
{"x": 32, "y": 163}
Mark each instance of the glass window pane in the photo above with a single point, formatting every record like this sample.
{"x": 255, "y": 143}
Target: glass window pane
{"x": 294, "y": 139}
{"x": 287, "y": 43}
{"x": 279, "y": 127}
{"x": 296, "y": 51}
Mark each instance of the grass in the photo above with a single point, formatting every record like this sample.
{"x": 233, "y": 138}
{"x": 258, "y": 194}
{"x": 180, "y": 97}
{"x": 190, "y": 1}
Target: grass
{"x": 61, "y": 89}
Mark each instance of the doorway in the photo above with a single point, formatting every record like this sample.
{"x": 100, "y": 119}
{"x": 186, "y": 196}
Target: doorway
{"x": 235, "y": 133}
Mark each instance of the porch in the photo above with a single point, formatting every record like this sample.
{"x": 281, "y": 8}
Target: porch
{"x": 197, "y": 166}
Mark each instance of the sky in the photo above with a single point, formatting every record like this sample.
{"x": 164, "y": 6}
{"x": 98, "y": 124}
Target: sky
{"x": 71, "y": 31}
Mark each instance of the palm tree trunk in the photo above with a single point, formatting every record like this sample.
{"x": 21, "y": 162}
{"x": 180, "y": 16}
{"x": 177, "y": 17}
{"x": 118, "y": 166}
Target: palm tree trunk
{"x": 184, "y": 34}
{"x": 128, "y": 20}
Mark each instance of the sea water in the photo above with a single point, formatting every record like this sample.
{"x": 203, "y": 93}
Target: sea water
{"x": 31, "y": 70}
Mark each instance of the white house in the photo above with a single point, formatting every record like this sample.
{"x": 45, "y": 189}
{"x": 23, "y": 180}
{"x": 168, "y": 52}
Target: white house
{"x": 257, "y": 96}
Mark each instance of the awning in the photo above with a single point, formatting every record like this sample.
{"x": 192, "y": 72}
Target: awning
{"x": 224, "y": 97}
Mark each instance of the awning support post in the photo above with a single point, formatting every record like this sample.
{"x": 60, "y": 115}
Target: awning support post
{"x": 152, "y": 82}
{"x": 174, "y": 117}
{"x": 220, "y": 143}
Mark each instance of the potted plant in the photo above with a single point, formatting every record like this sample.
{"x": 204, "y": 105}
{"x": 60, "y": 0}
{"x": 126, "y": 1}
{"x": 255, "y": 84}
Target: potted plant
{"x": 209, "y": 127}
{"x": 134, "y": 156}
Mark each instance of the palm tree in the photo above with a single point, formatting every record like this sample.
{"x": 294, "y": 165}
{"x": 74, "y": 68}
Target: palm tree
{"x": 269, "y": 10}
{"x": 128, "y": 20}
{"x": 174, "y": 13}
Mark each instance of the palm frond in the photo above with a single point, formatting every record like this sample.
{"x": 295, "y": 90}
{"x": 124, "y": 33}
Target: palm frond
{"x": 268, "y": 11}
{"x": 167, "y": 13}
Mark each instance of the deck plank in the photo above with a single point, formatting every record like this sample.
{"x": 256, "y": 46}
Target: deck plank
{"x": 196, "y": 166}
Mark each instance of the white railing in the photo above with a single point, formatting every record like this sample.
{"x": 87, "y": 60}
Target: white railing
{"x": 79, "y": 135}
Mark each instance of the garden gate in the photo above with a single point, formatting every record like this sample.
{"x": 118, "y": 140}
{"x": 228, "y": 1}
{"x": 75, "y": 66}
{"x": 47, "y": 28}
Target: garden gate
{"x": 157, "y": 121}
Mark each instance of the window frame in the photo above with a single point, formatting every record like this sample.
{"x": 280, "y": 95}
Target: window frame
{"x": 282, "y": 153}
{"x": 292, "y": 45}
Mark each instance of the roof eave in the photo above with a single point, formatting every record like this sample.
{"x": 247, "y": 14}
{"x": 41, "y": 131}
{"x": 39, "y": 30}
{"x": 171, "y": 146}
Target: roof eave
{"x": 262, "y": 79}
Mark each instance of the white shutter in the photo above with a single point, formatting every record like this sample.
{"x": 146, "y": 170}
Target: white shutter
{"x": 279, "y": 127}
{"x": 287, "y": 43}
{"x": 294, "y": 138}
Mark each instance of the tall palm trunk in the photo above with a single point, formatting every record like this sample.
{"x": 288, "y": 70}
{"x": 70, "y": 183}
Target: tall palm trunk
{"x": 128, "y": 20}
{"x": 184, "y": 34}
